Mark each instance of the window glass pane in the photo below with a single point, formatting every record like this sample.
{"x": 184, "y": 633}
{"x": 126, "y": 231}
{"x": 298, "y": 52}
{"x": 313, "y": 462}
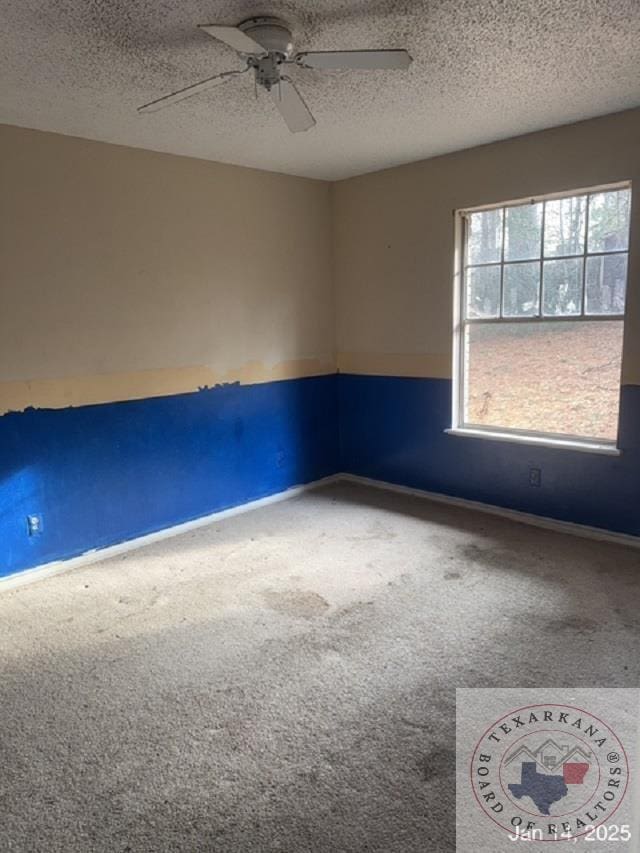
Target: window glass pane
{"x": 562, "y": 287}
{"x": 609, "y": 221}
{"x": 483, "y": 291}
{"x": 484, "y": 237}
{"x": 605, "y": 284}
{"x": 561, "y": 378}
{"x": 521, "y": 287}
{"x": 523, "y": 225}
{"x": 564, "y": 224}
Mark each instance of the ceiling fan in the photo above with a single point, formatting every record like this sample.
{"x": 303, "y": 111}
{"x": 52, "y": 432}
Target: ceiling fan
{"x": 267, "y": 46}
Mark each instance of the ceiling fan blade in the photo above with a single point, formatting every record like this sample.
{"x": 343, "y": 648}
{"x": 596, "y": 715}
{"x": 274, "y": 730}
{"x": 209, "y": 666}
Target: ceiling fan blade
{"x": 188, "y": 91}
{"x": 292, "y": 108}
{"x": 234, "y": 37}
{"x": 366, "y": 60}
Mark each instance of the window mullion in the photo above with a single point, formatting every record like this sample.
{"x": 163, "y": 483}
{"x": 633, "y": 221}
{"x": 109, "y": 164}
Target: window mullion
{"x": 504, "y": 228}
{"x": 462, "y": 332}
{"x": 583, "y": 310}
{"x": 540, "y": 285}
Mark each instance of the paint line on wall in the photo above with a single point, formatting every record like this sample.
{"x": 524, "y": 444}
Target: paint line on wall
{"x": 18, "y": 395}
{"x": 421, "y": 365}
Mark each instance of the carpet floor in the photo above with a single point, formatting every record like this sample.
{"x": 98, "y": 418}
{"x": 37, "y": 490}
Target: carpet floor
{"x": 284, "y": 680}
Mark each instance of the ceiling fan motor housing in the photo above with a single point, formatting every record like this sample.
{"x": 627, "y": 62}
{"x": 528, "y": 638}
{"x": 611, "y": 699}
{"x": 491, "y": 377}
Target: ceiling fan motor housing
{"x": 271, "y": 33}
{"x": 267, "y": 70}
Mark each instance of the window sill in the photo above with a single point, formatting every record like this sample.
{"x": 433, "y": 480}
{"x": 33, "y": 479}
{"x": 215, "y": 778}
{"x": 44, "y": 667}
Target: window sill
{"x": 537, "y": 440}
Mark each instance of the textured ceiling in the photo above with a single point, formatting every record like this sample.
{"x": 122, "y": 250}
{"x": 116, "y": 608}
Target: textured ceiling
{"x": 483, "y": 70}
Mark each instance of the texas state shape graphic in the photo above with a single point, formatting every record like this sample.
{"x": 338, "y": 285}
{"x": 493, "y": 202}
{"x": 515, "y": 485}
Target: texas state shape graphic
{"x": 544, "y": 789}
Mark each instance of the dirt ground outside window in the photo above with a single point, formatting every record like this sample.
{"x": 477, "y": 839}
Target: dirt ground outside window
{"x": 545, "y": 377}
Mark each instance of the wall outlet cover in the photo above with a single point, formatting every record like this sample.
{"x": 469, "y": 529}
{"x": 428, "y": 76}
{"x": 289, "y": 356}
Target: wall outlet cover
{"x": 535, "y": 477}
{"x": 34, "y": 525}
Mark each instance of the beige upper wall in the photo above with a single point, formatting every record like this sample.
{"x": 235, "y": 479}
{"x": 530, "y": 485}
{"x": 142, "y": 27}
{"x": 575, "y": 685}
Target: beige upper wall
{"x": 394, "y": 238}
{"x": 127, "y": 273}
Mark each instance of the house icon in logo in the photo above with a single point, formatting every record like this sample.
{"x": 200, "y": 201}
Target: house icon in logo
{"x": 550, "y": 756}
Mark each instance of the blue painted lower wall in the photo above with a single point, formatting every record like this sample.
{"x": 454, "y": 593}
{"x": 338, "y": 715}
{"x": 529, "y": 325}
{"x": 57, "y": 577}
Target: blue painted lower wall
{"x": 392, "y": 429}
{"x": 103, "y": 474}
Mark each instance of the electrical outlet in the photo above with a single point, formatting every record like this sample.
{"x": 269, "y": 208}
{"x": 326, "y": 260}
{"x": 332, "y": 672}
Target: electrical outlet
{"x": 535, "y": 477}
{"x": 34, "y": 525}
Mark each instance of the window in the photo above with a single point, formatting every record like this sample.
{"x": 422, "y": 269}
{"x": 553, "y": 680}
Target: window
{"x": 540, "y": 318}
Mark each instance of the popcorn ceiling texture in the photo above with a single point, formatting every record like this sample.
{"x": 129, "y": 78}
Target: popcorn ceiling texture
{"x": 483, "y": 70}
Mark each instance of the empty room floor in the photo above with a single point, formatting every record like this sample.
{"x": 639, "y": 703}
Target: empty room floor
{"x": 284, "y": 680}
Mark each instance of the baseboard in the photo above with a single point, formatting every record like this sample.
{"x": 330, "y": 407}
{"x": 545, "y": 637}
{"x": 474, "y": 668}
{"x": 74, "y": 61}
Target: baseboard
{"x": 49, "y": 569}
{"x": 582, "y": 530}
{"x": 95, "y": 555}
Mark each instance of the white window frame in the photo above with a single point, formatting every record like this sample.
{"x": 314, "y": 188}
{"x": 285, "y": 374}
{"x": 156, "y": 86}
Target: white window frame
{"x": 520, "y": 436}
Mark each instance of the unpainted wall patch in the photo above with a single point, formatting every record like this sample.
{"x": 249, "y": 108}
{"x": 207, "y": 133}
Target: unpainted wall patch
{"x": 22, "y": 394}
